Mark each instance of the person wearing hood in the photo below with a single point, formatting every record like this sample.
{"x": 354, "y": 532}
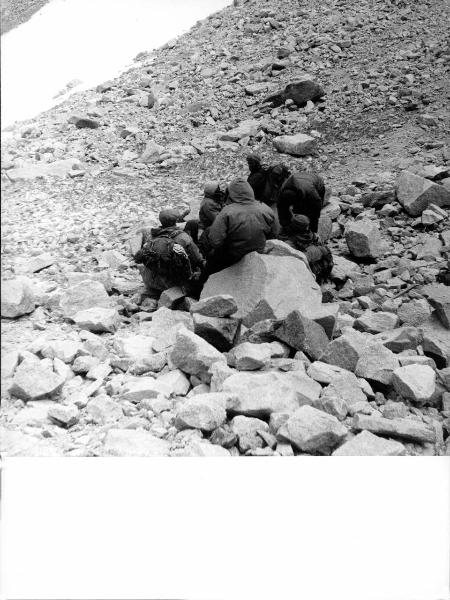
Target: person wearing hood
{"x": 302, "y": 194}
{"x": 242, "y": 226}
{"x": 211, "y": 205}
{"x": 257, "y": 177}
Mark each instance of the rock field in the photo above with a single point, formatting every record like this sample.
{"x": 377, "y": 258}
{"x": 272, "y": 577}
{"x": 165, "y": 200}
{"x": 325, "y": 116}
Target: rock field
{"x": 267, "y": 363}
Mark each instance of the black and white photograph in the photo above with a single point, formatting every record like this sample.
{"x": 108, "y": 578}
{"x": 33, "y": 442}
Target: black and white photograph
{"x": 225, "y": 234}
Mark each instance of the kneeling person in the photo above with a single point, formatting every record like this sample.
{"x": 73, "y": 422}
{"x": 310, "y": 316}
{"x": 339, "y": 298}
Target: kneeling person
{"x": 170, "y": 258}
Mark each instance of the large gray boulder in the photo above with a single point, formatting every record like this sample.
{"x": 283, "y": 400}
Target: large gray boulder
{"x": 302, "y": 333}
{"x": 415, "y": 382}
{"x": 17, "y": 297}
{"x": 377, "y": 364}
{"x": 267, "y": 287}
{"x": 346, "y": 350}
{"x": 35, "y": 381}
{"x": 368, "y": 444}
{"x": 131, "y": 442}
{"x": 439, "y": 297}
{"x": 193, "y": 355}
{"x": 364, "y": 239}
{"x": 203, "y": 411}
{"x": 98, "y": 319}
{"x": 416, "y": 193}
{"x": 83, "y": 296}
{"x": 407, "y": 429}
{"x": 298, "y": 91}
{"x": 299, "y": 144}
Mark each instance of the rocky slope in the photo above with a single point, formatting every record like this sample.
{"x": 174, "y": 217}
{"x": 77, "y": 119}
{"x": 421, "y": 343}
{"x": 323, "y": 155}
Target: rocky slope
{"x": 16, "y": 12}
{"x": 82, "y": 177}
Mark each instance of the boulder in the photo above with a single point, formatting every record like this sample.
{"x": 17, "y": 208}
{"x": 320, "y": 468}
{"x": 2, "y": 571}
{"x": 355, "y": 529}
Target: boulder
{"x": 131, "y": 442}
{"x": 176, "y": 382}
{"x": 298, "y": 91}
{"x": 9, "y": 362}
{"x": 103, "y": 410}
{"x": 280, "y": 248}
{"x": 261, "y": 394}
{"x": 302, "y": 333}
{"x": 416, "y": 193}
{"x": 415, "y": 382}
{"x": 439, "y": 297}
{"x": 165, "y": 325}
{"x": 97, "y": 319}
{"x": 203, "y": 411}
{"x": 65, "y": 350}
{"x": 193, "y": 355}
{"x": 299, "y": 144}
{"x": 256, "y": 281}
{"x": 64, "y": 415}
{"x": 368, "y": 444}
{"x": 84, "y": 122}
{"x": 312, "y": 431}
{"x": 343, "y": 268}
{"x": 17, "y": 297}
{"x": 85, "y": 295}
{"x": 215, "y": 306}
{"x": 250, "y": 357}
{"x": 247, "y": 430}
{"x": 135, "y": 348}
{"x": 247, "y": 128}
{"x": 141, "y": 388}
{"x": 364, "y": 239}
{"x": 345, "y": 350}
{"x": 34, "y": 381}
{"x": 399, "y": 339}
{"x": 377, "y": 364}
{"x": 323, "y": 372}
{"x": 408, "y": 429}
{"x": 16, "y": 443}
{"x": 415, "y": 312}
{"x": 38, "y": 263}
{"x": 220, "y": 332}
{"x": 344, "y": 386}
{"x": 171, "y": 298}
{"x": 376, "y": 322}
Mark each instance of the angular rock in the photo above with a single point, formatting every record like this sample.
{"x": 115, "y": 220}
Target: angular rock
{"x": 35, "y": 382}
{"x": 302, "y": 333}
{"x": 65, "y": 350}
{"x": 176, "y": 382}
{"x": 16, "y": 443}
{"x": 416, "y": 193}
{"x": 299, "y": 144}
{"x": 215, "y": 306}
{"x": 312, "y": 431}
{"x": 141, "y": 388}
{"x": 130, "y": 442}
{"x": 344, "y": 385}
{"x": 280, "y": 248}
{"x": 364, "y": 239}
{"x": 323, "y": 372}
{"x": 255, "y": 283}
{"x": 165, "y": 325}
{"x": 376, "y": 322}
{"x": 345, "y": 350}
{"x": 247, "y": 128}
{"x": 415, "y": 382}
{"x": 63, "y": 415}
{"x": 17, "y": 297}
{"x": 135, "y": 348}
{"x": 299, "y": 91}
{"x": 247, "y": 431}
{"x": 368, "y": 444}
{"x": 171, "y": 297}
{"x": 97, "y": 319}
{"x": 85, "y": 295}
{"x": 399, "y": 339}
{"x": 439, "y": 297}
{"x": 407, "y": 429}
{"x": 104, "y": 410}
{"x": 84, "y": 122}
{"x": 250, "y": 357}
{"x": 193, "y": 355}
{"x": 220, "y": 332}
{"x": 377, "y": 364}
{"x": 38, "y": 263}
{"x": 9, "y": 362}
{"x": 203, "y": 411}
{"x": 415, "y": 312}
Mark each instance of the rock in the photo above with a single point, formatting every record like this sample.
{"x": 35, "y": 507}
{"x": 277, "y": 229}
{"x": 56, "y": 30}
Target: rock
{"x": 416, "y": 193}
{"x": 312, "y": 431}
{"x": 103, "y": 410}
{"x": 152, "y": 153}
{"x": 415, "y": 382}
{"x": 64, "y": 416}
{"x": 201, "y": 448}
{"x": 135, "y": 348}
{"x": 280, "y": 248}
{"x": 112, "y": 259}
{"x": 32, "y": 381}
{"x": 203, "y": 411}
{"x": 217, "y": 331}
{"x": 255, "y": 283}
{"x": 16, "y": 443}
{"x": 141, "y": 388}
{"x": 85, "y": 295}
{"x": 399, "y": 339}
{"x": 215, "y": 306}
{"x": 325, "y": 228}
{"x": 249, "y": 357}
{"x": 9, "y": 362}
{"x": 415, "y": 312}
{"x": 345, "y": 350}
{"x": 416, "y": 360}
{"x": 247, "y": 431}
{"x": 302, "y": 333}
{"x": 261, "y": 394}
{"x": 377, "y": 364}
{"x": 97, "y": 319}
{"x": 345, "y": 386}
{"x": 176, "y": 382}
{"x": 38, "y": 263}
{"x": 299, "y": 144}
{"x": 165, "y": 325}
{"x": 343, "y": 268}
{"x": 58, "y": 168}
{"x": 323, "y": 372}
{"x": 84, "y": 122}
{"x": 367, "y": 444}
{"x": 130, "y": 442}
{"x": 439, "y": 297}
{"x": 17, "y": 297}
{"x": 65, "y": 350}
{"x": 364, "y": 239}
{"x": 247, "y": 128}
{"x": 407, "y": 429}
{"x": 376, "y": 322}
{"x": 193, "y": 355}
{"x": 299, "y": 92}
{"x": 171, "y": 297}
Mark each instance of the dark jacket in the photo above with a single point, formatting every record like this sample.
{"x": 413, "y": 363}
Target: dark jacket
{"x": 184, "y": 240}
{"x": 303, "y": 193}
{"x": 257, "y": 181}
{"x": 244, "y": 225}
{"x": 209, "y": 209}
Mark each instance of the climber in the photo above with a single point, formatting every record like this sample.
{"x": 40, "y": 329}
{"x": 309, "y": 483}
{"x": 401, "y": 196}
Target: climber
{"x": 169, "y": 258}
{"x": 302, "y": 193}
{"x": 298, "y": 234}
{"x": 257, "y": 177}
{"x": 265, "y": 181}
{"x": 242, "y": 226}
{"x": 211, "y": 205}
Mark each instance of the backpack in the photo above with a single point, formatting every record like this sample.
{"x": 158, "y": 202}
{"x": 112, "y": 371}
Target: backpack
{"x": 162, "y": 253}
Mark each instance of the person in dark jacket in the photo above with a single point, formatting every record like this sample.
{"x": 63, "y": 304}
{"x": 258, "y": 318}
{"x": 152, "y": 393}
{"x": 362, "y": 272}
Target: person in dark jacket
{"x": 210, "y": 207}
{"x": 157, "y": 280}
{"x": 302, "y": 194}
{"x": 241, "y": 227}
{"x": 257, "y": 177}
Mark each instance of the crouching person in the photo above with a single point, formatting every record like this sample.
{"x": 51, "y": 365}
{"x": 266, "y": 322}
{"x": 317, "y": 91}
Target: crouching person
{"x": 298, "y": 235}
{"x": 169, "y": 258}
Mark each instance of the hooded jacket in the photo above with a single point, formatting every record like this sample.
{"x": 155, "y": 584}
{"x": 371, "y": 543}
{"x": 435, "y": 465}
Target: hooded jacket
{"x": 244, "y": 225}
{"x": 304, "y": 194}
